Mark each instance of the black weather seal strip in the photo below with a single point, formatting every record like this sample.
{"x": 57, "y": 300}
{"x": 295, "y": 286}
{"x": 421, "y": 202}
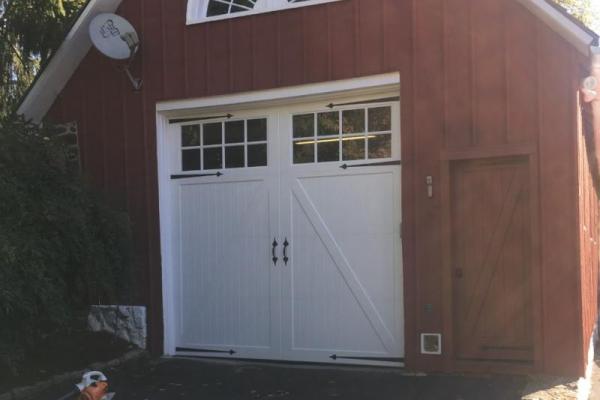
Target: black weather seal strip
{"x": 378, "y": 359}
{"x": 356, "y": 103}
{"x": 380, "y": 164}
{"x": 186, "y": 349}
{"x": 218, "y": 174}
{"x": 184, "y": 120}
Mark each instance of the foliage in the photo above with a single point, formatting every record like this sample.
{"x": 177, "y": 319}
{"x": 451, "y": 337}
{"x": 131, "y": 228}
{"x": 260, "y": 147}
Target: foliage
{"x": 582, "y": 10}
{"x": 30, "y": 30}
{"x": 61, "y": 246}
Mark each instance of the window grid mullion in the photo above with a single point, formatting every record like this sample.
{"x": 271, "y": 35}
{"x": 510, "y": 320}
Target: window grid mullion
{"x": 340, "y": 129}
{"x": 316, "y": 138}
{"x": 223, "y": 145}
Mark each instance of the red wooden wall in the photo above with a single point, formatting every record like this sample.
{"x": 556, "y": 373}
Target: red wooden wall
{"x": 589, "y": 223}
{"x": 479, "y": 79}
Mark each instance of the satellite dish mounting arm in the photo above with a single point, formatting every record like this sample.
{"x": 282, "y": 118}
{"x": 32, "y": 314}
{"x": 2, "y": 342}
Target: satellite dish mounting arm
{"x": 134, "y": 44}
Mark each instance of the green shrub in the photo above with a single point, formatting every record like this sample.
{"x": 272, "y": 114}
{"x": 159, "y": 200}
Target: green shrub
{"x": 62, "y": 247}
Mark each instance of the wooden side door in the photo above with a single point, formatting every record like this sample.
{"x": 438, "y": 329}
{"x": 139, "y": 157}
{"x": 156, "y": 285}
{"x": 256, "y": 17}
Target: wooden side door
{"x": 491, "y": 260}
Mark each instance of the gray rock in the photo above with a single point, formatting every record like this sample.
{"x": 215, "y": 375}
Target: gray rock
{"x": 125, "y": 322}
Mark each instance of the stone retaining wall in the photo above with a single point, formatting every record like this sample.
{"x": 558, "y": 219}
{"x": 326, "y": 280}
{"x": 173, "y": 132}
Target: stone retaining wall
{"x": 125, "y": 322}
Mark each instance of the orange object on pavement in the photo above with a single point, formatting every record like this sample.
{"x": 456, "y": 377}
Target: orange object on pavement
{"x": 95, "y": 391}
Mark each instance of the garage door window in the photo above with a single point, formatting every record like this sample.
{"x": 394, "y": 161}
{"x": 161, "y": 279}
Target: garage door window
{"x": 345, "y": 135}
{"x": 226, "y": 144}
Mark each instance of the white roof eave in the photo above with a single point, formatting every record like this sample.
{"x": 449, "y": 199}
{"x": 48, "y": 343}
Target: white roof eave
{"x": 64, "y": 62}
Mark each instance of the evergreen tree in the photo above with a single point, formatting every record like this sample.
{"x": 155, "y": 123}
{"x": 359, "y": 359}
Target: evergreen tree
{"x": 30, "y": 30}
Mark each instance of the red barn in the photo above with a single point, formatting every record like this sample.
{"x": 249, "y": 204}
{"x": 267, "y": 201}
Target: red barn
{"x": 380, "y": 182}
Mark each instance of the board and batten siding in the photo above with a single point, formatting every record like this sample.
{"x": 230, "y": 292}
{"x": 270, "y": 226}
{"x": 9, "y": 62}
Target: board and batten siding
{"x": 479, "y": 79}
{"x": 589, "y": 224}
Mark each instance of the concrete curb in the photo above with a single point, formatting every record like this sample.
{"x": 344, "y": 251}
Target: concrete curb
{"x": 28, "y": 392}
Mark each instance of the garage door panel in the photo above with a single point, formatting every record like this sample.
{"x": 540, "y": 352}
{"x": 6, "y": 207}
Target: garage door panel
{"x": 225, "y": 279}
{"x": 365, "y": 223}
{"x": 324, "y": 280}
{"x": 326, "y": 314}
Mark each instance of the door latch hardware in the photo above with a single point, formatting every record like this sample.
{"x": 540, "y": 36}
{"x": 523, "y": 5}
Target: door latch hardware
{"x": 458, "y": 273}
{"x": 273, "y": 250}
{"x": 285, "y": 246}
{"x": 429, "y": 181}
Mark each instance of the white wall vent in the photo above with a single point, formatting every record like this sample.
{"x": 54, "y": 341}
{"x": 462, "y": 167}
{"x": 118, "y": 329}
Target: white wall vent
{"x": 431, "y": 343}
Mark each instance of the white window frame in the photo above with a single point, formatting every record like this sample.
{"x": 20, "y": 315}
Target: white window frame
{"x": 196, "y": 9}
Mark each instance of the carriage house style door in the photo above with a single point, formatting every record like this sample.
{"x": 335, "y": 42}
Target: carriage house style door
{"x": 286, "y": 233}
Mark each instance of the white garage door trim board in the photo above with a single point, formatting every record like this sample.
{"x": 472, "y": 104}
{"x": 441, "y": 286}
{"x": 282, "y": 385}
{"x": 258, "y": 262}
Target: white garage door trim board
{"x": 331, "y": 91}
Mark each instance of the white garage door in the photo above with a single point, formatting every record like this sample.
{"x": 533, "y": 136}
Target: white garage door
{"x": 287, "y": 234}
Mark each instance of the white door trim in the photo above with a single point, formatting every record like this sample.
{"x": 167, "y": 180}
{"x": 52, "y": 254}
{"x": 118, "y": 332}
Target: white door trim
{"x": 280, "y": 96}
{"x": 194, "y": 107}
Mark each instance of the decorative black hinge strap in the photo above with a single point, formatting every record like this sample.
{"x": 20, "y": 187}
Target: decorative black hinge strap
{"x": 357, "y": 103}
{"x": 380, "y": 164}
{"x": 183, "y": 120}
{"x": 285, "y": 247}
{"x": 377, "y": 359}
{"x": 186, "y": 349}
{"x": 273, "y": 250}
{"x": 218, "y": 174}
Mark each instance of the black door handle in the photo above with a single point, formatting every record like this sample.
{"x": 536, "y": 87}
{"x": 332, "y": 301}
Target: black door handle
{"x": 285, "y": 246}
{"x": 273, "y": 250}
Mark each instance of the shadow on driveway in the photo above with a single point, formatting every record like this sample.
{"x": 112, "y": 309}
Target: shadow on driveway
{"x": 186, "y": 379}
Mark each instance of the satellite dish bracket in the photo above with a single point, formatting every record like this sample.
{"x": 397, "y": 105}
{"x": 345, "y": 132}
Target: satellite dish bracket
{"x": 137, "y": 83}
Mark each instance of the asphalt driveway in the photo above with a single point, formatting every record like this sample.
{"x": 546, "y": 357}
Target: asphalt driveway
{"x": 188, "y": 379}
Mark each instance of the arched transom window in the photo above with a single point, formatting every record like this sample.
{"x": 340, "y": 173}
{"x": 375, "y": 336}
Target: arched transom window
{"x": 208, "y": 10}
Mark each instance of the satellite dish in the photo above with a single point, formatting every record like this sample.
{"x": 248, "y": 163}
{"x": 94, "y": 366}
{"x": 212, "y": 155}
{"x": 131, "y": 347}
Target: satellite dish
{"x": 116, "y": 38}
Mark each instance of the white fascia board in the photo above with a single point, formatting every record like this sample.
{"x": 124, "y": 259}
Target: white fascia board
{"x": 562, "y": 25}
{"x": 64, "y": 62}
{"x": 263, "y": 98}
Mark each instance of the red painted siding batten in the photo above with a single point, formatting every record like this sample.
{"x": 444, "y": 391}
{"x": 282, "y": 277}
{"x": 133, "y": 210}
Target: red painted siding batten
{"x": 342, "y": 38}
{"x": 488, "y": 72}
{"x": 316, "y": 43}
{"x": 458, "y": 75}
{"x": 241, "y": 52}
{"x": 291, "y": 50}
{"x": 522, "y": 78}
{"x": 265, "y": 51}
